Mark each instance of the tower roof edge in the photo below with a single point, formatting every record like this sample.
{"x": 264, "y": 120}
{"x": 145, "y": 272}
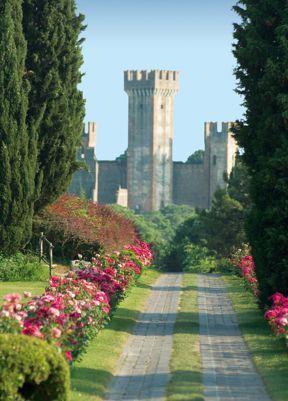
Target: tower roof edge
{"x": 151, "y": 79}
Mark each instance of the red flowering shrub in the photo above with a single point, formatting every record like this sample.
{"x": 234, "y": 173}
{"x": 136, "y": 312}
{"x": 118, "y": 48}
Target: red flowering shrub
{"x": 277, "y": 315}
{"x": 73, "y": 309}
{"x": 247, "y": 268}
{"x": 76, "y": 225}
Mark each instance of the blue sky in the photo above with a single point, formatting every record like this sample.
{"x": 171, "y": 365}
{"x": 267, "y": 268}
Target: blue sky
{"x": 191, "y": 36}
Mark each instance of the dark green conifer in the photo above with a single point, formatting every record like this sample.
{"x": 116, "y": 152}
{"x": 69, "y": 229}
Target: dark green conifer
{"x": 17, "y": 147}
{"x": 56, "y": 106}
{"x": 261, "y": 50}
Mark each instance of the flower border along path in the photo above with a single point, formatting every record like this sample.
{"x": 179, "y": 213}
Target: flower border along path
{"x": 73, "y": 309}
{"x": 228, "y": 371}
{"x": 143, "y": 369}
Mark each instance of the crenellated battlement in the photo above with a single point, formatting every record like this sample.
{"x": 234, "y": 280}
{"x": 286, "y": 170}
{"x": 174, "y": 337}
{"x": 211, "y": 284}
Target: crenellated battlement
{"x": 154, "y": 79}
{"x": 211, "y": 130}
{"x": 89, "y": 137}
{"x": 148, "y": 179}
{"x": 144, "y": 75}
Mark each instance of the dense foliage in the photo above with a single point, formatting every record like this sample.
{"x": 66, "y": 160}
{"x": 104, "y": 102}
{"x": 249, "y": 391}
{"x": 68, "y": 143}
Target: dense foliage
{"x": 32, "y": 370}
{"x": 261, "y": 50}
{"x": 123, "y": 157}
{"x": 239, "y": 184}
{"x": 197, "y": 258}
{"x": 222, "y": 227}
{"x": 73, "y": 309}
{"x": 158, "y": 227}
{"x": 76, "y": 225}
{"x": 56, "y": 106}
{"x": 22, "y": 267}
{"x": 219, "y": 231}
{"x": 17, "y": 145}
{"x": 196, "y": 158}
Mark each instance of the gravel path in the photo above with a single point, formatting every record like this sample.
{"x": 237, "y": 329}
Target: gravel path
{"x": 143, "y": 368}
{"x": 228, "y": 370}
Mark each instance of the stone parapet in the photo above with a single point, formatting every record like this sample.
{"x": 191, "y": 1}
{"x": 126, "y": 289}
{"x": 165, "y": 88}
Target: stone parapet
{"x": 155, "y": 81}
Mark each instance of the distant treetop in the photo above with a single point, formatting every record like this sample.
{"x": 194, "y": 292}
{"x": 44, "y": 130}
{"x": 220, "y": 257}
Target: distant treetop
{"x": 122, "y": 157}
{"x": 196, "y": 158}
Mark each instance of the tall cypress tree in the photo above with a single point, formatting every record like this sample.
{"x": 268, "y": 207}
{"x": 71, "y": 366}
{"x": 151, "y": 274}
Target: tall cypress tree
{"x": 56, "y": 106}
{"x": 261, "y": 50}
{"x": 17, "y": 147}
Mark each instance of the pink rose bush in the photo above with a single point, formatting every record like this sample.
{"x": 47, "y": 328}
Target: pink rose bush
{"x": 74, "y": 308}
{"x": 247, "y": 268}
{"x": 277, "y": 315}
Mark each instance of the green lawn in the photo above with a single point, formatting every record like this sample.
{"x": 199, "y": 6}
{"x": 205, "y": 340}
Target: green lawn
{"x": 185, "y": 364}
{"x": 91, "y": 376}
{"x": 269, "y": 353}
{"x": 36, "y": 287}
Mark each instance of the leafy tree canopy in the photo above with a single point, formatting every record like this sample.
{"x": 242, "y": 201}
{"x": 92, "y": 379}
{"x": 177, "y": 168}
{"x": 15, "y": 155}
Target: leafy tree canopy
{"x": 122, "y": 157}
{"x": 196, "y": 158}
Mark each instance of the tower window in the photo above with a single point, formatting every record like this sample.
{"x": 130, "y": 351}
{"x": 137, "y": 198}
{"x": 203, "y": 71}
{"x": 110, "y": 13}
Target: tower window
{"x": 141, "y": 106}
{"x": 214, "y": 160}
{"x": 162, "y": 106}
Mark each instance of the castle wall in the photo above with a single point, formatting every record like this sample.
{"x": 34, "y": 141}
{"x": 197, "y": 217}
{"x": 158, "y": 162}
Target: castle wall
{"x": 190, "y": 185}
{"x": 149, "y": 176}
{"x": 84, "y": 181}
{"x": 111, "y": 176}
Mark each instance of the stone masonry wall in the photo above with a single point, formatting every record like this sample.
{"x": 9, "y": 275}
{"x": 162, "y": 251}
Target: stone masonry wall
{"x": 111, "y": 176}
{"x": 150, "y": 167}
{"x": 84, "y": 181}
{"x": 190, "y": 185}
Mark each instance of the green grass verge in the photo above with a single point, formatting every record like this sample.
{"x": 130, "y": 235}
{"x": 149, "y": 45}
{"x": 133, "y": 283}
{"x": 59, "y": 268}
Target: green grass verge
{"x": 36, "y": 287}
{"x": 269, "y": 353}
{"x": 91, "y": 376}
{"x": 185, "y": 364}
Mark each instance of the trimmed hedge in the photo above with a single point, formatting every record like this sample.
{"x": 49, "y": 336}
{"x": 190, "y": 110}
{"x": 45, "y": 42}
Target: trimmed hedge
{"x": 30, "y": 369}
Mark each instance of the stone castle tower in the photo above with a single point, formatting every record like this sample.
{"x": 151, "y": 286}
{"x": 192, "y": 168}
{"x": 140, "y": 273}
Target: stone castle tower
{"x": 150, "y": 137}
{"x": 220, "y": 153}
{"x": 149, "y": 175}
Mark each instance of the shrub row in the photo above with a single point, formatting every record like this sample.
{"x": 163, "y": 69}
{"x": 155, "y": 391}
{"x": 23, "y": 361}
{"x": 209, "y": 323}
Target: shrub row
{"x": 70, "y": 312}
{"x": 73, "y": 309}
